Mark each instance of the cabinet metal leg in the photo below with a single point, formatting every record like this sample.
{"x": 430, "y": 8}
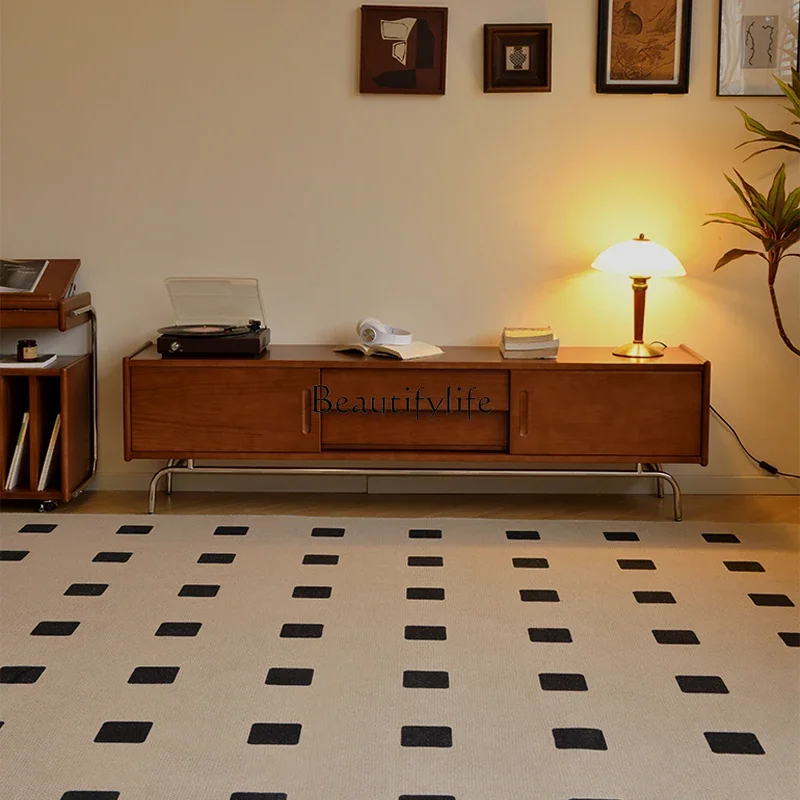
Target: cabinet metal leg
{"x": 187, "y": 467}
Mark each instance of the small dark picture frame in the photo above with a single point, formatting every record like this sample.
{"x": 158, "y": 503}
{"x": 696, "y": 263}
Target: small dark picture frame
{"x": 517, "y": 58}
{"x": 643, "y": 46}
{"x": 403, "y": 50}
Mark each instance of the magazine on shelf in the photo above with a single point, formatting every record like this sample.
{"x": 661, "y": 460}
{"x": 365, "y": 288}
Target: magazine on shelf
{"x": 21, "y": 276}
{"x": 11, "y": 362}
{"x": 20, "y": 453}
{"x": 49, "y": 460}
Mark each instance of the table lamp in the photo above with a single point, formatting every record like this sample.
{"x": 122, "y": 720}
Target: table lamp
{"x": 639, "y": 259}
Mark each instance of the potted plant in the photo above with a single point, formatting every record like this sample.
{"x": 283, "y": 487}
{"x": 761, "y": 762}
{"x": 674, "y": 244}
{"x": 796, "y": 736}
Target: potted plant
{"x": 774, "y": 219}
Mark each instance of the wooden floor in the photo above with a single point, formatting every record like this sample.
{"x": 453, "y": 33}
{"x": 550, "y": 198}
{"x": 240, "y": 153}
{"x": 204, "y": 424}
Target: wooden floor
{"x": 700, "y": 508}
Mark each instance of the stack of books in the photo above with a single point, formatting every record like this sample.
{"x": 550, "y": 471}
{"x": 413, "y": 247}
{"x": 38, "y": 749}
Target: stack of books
{"x": 529, "y": 343}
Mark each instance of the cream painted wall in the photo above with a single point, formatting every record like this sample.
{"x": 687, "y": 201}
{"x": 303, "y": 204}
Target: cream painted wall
{"x": 227, "y": 137}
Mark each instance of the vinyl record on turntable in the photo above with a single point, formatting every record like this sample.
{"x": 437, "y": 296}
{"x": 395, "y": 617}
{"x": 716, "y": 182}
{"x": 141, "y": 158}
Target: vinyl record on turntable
{"x": 215, "y": 317}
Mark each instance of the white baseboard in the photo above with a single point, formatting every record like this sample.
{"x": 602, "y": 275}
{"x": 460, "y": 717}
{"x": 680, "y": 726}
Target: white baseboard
{"x": 690, "y": 484}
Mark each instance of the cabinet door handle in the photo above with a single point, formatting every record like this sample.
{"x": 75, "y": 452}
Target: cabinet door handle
{"x": 523, "y": 413}
{"x": 306, "y": 411}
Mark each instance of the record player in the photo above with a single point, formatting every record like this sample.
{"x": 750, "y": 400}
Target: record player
{"x": 214, "y": 318}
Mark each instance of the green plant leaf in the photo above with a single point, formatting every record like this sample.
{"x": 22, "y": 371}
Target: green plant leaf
{"x": 769, "y": 135}
{"x": 736, "y": 219}
{"x": 775, "y": 147}
{"x": 777, "y": 193}
{"x": 793, "y": 200}
{"x": 757, "y": 235}
{"x": 732, "y": 255}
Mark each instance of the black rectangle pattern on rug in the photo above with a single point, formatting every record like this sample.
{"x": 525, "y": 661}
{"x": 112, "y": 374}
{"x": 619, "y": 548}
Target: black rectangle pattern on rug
{"x": 259, "y": 796}
{"x": 426, "y": 736}
{"x": 523, "y": 536}
{"x": 790, "y": 638}
{"x": 154, "y": 675}
{"x": 140, "y": 530}
{"x": 321, "y": 559}
{"x": 112, "y": 557}
{"x": 427, "y": 797}
{"x": 436, "y": 633}
{"x": 426, "y": 679}
{"x": 13, "y": 555}
{"x": 199, "y": 590}
{"x": 425, "y": 561}
{"x": 124, "y": 732}
{"x": 722, "y": 538}
{"x": 771, "y": 600}
{"x": 562, "y": 682}
{"x": 701, "y": 684}
{"x": 82, "y": 794}
{"x": 539, "y": 596}
{"x": 424, "y": 593}
{"x": 734, "y": 743}
{"x": 424, "y": 533}
{"x": 676, "y": 637}
{"x": 289, "y": 676}
{"x": 86, "y": 589}
{"x": 216, "y": 558}
{"x": 55, "y": 629}
{"x": 179, "y": 629}
{"x": 621, "y": 536}
{"x": 635, "y": 563}
{"x": 231, "y": 530}
{"x": 555, "y": 635}
{"x": 34, "y": 527}
{"x": 335, "y": 533}
{"x": 20, "y": 674}
{"x": 530, "y": 563}
{"x": 301, "y": 631}
{"x": 743, "y": 566}
{"x": 579, "y": 739}
{"x": 654, "y": 597}
{"x": 313, "y": 592}
{"x": 274, "y": 733}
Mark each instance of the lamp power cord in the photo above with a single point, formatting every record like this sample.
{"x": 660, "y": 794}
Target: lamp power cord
{"x": 765, "y": 465}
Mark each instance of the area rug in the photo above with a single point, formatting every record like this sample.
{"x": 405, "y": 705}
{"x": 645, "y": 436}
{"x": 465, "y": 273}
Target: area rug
{"x": 300, "y": 658}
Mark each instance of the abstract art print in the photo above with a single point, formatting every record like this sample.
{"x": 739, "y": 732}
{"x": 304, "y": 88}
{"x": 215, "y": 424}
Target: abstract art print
{"x": 757, "y": 41}
{"x": 403, "y": 49}
{"x": 517, "y": 58}
{"x": 643, "y": 46}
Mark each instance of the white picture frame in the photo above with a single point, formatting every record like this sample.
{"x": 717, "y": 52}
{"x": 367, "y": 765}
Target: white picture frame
{"x": 758, "y": 40}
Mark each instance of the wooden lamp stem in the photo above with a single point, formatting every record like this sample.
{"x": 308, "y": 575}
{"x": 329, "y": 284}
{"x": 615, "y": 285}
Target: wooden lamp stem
{"x": 637, "y": 348}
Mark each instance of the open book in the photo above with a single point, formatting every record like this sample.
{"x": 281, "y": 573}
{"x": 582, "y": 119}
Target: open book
{"x": 403, "y": 352}
{"x": 21, "y": 276}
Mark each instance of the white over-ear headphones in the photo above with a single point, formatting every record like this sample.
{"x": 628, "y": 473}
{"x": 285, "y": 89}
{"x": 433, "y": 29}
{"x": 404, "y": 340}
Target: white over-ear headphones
{"x": 373, "y": 331}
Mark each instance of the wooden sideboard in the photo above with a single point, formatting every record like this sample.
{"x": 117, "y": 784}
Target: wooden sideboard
{"x": 307, "y": 403}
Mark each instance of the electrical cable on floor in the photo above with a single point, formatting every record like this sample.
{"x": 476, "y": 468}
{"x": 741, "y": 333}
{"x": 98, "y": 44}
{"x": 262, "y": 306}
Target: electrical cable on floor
{"x": 765, "y": 465}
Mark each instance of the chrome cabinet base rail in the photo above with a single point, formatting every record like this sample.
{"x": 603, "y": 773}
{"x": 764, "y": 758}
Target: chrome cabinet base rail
{"x": 177, "y": 466}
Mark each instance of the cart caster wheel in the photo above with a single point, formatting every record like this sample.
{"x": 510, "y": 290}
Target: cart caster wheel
{"x": 48, "y": 505}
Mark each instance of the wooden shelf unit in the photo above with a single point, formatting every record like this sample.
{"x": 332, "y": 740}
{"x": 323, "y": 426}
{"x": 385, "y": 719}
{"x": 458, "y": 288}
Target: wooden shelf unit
{"x": 62, "y": 388}
{"x": 68, "y": 387}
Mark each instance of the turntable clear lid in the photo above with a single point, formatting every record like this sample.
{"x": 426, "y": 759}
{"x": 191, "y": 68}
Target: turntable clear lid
{"x": 219, "y": 301}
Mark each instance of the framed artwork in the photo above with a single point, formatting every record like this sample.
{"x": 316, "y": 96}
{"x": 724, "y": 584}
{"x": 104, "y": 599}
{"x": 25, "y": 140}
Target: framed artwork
{"x": 403, "y": 50}
{"x": 757, "y": 40}
{"x": 517, "y": 58}
{"x": 643, "y": 46}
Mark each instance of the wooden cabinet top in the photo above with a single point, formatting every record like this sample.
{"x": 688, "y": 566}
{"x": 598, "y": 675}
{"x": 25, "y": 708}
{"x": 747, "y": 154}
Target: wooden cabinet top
{"x": 47, "y": 306}
{"x": 455, "y": 357}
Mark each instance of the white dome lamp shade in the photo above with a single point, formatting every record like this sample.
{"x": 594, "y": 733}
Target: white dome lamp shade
{"x": 639, "y": 259}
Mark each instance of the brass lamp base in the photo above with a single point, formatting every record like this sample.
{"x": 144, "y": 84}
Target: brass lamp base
{"x": 638, "y": 350}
